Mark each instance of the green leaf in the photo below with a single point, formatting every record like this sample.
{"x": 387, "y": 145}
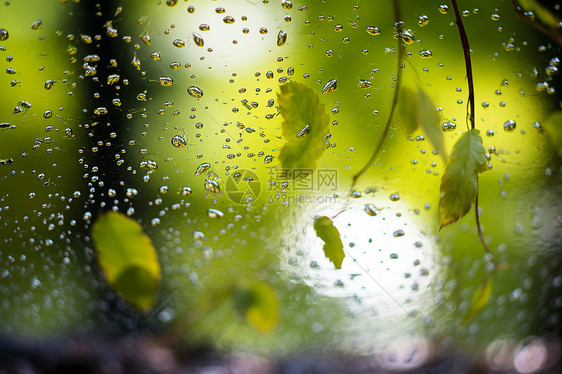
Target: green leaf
{"x": 459, "y": 184}
{"x": 260, "y": 304}
{"x": 415, "y": 110}
{"x": 479, "y": 300}
{"x": 305, "y": 123}
{"x": 553, "y": 127}
{"x": 127, "y": 258}
{"x": 333, "y": 246}
{"x": 407, "y": 110}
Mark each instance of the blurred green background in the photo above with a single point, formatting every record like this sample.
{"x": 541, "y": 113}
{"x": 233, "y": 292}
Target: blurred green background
{"x": 401, "y": 275}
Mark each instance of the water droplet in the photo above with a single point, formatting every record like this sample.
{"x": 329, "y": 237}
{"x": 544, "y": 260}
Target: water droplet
{"x": 165, "y": 81}
{"x": 49, "y": 84}
{"x": 286, "y": 4}
{"x": 394, "y": 256}
{"x": 136, "y": 62}
{"x": 423, "y": 20}
{"x": 303, "y": 132}
{"x": 448, "y": 126}
{"x": 178, "y": 43}
{"x": 398, "y": 233}
{"x": 179, "y": 141}
{"x": 363, "y": 83}
{"x": 131, "y": 192}
{"x": 426, "y": 53}
{"x": 212, "y": 185}
{"x": 100, "y": 111}
{"x": 495, "y": 17}
{"x": 4, "y": 35}
{"x": 443, "y": 9}
{"x": 509, "y": 125}
{"x": 186, "y": 191}
{"x": 195, "y": 92}
{"x": 394, "y": 197}
{"x": 228, "y": 20}
{"x": 551, "y": 70}
{"x": 268, "y": 159}
{"x": 204, "y": 167}
{"x": 370, "y": 210}
{"x": 372, "y": 30}
{"x": 198, "y": 40}
{"x": 171, "y": 2}
{"x": 113, "y": 78}
{"x": 356, "y": 194}
{"x": 215, "y": 213}
{"x": 281, "y": 38}
{"x": 146, "y": 39}
{"x": 35, "y": 25}
{"x": 204, "y": 27}
{"x": 407, "y": 36}
{"x": 330, "y": 86}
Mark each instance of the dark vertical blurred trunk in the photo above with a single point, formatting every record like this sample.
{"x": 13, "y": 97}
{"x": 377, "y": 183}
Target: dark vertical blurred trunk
{"x": 105, "y": 126}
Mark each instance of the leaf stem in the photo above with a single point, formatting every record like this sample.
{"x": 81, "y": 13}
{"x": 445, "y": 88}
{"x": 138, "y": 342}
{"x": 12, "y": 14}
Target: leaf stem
{"x": 480, "y": 234}
{"x": 552, "y": 33}
{"x": 470, "y": 109}
{"x": 467, "y": 62}
{"x": 401, "y": 48}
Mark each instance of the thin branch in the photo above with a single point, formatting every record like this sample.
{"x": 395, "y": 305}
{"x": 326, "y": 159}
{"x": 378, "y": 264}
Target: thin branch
{"x": 401, "y": 48}
{"x": 480, "y": 234}
{"x": 549, "y": 32}
{"x": 467, "y": 62}
{"x": 470, "y": 114}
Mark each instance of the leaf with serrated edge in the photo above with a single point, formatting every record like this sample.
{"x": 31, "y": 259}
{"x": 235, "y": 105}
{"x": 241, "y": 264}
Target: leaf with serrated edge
{"x": 127, "y": 258}
{"x": 407, "y": 110}
{"x": 333, "y": 246}
{"x": 300, "y": 107}
{"x": 459, "y": 184}
{"x": 480, "y": 299}
{"x": 416, "y": 109}
{"x": 429, "y": 119}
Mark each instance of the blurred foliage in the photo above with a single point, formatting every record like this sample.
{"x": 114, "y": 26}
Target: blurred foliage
{"x": 127, "y": 258}
{"x": 109, "y": 87}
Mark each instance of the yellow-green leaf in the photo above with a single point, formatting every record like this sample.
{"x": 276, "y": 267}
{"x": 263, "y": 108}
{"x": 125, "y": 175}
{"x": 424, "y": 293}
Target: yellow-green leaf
{"x": 305, "y": 123}
{"x": 553, "y": 127}
{"x": 407, "y": 110}
{"x": 333, "y": 246}
{"x": 416, "y": 109}
{"x": 260, "y": 304}
{"x": 479, "y": 300}
{"x": 127, "y": 258}
{"x": 459, "y": 184}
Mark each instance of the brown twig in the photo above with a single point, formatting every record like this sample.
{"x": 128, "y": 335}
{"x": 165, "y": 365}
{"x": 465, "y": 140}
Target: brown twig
{"x": 470, "y": 110}
{"x": 549, "y": 32}
{"x": 398, "y": 29}
{"x": 467, "y": 62}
